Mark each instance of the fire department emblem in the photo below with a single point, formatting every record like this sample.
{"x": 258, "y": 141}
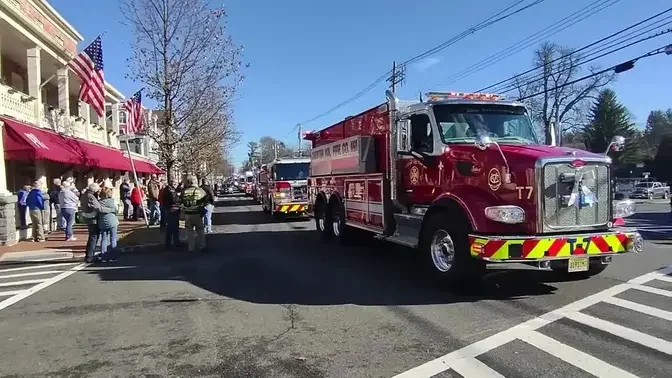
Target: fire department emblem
{"x": 414, "y": 175}
{"x": 494, "y": 179}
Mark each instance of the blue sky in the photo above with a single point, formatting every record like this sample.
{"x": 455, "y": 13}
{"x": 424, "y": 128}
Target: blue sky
{"x": 307, "y": 56}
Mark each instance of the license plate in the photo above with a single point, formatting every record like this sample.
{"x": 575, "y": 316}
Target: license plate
{"x": 577, "y": 264}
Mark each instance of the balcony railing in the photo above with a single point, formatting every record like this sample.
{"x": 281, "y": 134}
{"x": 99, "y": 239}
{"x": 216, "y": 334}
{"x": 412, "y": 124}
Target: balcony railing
{"x": 16, "y": 104}
{"x": 97, "y": 134}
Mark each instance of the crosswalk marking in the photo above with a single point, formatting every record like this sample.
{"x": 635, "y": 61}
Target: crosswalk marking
{"x": 574, "y": 356}
{"x": 10, "y": 297}
{"x": 33, "y": 267}
{"x": 465, "y": 363}
{"x": 623, "y": 332}
{"x": 644, "y": 309}
{"x": 19, "y": 283}
{"x": 40, "y": 273}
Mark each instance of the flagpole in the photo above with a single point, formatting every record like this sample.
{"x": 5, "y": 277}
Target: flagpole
{"x": 137, "y": 183}
{"x": 66, "y": 65}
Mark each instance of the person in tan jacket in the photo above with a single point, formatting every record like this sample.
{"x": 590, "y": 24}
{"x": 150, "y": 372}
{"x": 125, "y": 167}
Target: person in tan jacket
{"x": 153, "y": 207}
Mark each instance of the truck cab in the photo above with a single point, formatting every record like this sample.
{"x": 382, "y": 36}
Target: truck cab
{"x": 463, "y": 178}
{"x": 284, "y": 187}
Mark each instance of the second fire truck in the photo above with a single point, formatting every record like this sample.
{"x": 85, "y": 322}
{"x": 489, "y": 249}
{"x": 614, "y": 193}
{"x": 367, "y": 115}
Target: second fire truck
{"x": 284, "y": 186}
{"x": 463, "y": 178}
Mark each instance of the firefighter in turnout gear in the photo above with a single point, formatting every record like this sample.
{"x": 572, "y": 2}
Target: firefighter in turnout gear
{"x": 194, "y": 200}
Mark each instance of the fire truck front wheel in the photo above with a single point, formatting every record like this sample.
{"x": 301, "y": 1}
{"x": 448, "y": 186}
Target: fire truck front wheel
{"x": 445, "y": 247}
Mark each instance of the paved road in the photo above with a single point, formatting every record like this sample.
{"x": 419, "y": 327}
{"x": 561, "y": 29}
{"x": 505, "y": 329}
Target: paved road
{"x": 273, "y": 300}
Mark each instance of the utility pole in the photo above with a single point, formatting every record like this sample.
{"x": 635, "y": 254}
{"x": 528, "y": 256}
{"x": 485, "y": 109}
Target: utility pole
{"x": 398, "y": 76}
{"x": 298, "y": 125}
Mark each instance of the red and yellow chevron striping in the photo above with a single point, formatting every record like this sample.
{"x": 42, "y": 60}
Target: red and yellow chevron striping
{"x": 291, "y": 208}
{"x": 548, "y": 247}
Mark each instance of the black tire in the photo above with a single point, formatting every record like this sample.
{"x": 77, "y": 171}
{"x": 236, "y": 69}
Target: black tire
{"x": 322, "y": 223}
{"x": 341, "y": 233}
{"x": 454, "y": 234}
{"x": 596, "y": 267}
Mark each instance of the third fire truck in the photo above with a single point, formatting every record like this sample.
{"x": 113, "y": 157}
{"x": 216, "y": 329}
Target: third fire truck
{"x": 463, "y": 178}
{"x": 284, "y": 186}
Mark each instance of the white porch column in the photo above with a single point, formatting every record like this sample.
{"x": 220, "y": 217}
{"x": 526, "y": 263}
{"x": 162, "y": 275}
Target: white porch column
{"x": 63, "y": 90}
{"x": 85, "y": 113}
{"x": 41, "y": 172}
{"x": 34, "y": 80}
{"x": 115, "y": 125}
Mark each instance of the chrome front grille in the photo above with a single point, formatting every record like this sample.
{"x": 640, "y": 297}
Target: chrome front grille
{"x": 300, "y": 193}
{"x": 575, "y": 197}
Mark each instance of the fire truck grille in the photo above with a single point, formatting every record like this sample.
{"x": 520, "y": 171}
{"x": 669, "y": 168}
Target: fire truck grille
{"x": 300, "y": 193}
{"x": 574, "y": 197}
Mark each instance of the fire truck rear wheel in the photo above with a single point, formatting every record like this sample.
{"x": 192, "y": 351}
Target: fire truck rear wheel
{"x": 341, "y": 232}
{"x": 445, "y": 247}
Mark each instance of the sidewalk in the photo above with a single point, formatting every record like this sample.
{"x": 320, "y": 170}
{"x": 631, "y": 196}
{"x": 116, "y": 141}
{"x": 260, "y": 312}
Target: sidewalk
{"x": 130, "y": 234}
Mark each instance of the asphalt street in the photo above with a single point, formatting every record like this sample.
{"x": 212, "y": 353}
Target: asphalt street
{"x": 272, "y": 300}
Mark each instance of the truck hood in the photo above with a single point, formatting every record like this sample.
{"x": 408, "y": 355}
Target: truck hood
{"x": 541, "y": 151}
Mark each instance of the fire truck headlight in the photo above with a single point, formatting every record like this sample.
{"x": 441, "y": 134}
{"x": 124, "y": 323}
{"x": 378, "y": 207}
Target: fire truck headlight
{"x": 505, "y": 214}
{"x": 279, "y": 195}
{"x": 624, "y": 209}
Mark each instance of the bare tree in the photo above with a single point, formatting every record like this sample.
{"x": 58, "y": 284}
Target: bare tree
{"x": 555, "y": 99}
{"x": 190, "y": 66}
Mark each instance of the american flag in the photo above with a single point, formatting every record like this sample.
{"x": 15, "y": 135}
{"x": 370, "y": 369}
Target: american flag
{"x": 88, "y": 65}
{"x": 134, "y": 108}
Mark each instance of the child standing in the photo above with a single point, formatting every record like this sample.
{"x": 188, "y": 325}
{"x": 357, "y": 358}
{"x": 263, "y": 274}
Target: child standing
{"x": 108, "y": 223}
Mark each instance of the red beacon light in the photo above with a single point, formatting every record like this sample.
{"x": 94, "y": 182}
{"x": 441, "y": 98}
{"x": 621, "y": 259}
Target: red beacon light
{"x": 438, "y": 96}
{"x": 578, "y": 163}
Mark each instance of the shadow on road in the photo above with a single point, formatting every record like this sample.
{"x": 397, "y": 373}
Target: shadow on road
{"x": 294, "y": 267}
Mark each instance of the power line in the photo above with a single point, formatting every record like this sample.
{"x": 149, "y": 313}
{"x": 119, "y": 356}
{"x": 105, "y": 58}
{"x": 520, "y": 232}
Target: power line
{"x": 618, "y": 68}
{"x": 499, "y": 16}
{"x": 566, "y": 22}
{"x": 578, "y": 50}
{"x": 541, "y": 76}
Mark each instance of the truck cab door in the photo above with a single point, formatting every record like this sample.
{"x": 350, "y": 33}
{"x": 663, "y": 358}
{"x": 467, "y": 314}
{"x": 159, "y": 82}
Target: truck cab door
{"x": 417, "y": 181}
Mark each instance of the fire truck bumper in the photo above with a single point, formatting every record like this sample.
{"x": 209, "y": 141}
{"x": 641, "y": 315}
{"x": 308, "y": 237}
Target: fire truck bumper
{"x": 291, "y": 208}
{"x": 508, "y": 249}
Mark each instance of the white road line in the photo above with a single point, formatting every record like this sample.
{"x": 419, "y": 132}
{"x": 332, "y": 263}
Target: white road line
{"x": 644, "y": 309}
{"x": 471, "y": 367}
{"x": 445, "y": 362}
{"x": 623, "y": 332}
{"x": 7, "y": 293}
{"x": 19, "y": 283}
{"x": 665, "y": 278}
{"x": 28, "y": 292}
{"x": 40, "y": 273}
{"x": 652, "y": 290}
{"x": 574, "y": 356}
{"x": 36, "y": 267}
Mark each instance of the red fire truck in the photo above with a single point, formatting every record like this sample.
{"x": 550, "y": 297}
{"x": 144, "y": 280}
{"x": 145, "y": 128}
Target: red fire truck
{"x": 284, "y": 186}
{"x": 463, "y": 178}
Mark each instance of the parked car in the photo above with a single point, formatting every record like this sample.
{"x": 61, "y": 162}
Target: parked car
{"x": 650, "y": 190}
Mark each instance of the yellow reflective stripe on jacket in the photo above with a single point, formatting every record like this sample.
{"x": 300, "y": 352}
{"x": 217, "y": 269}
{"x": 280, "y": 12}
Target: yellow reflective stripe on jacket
{"x": 192, "y": 199}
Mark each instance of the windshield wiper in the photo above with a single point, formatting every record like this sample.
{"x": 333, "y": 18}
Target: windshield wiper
{"x": 515, "y": 138}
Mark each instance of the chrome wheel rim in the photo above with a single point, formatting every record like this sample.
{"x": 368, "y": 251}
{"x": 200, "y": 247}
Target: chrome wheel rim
{"x": 336, "y": 225}
{"x": 442, "y": 250}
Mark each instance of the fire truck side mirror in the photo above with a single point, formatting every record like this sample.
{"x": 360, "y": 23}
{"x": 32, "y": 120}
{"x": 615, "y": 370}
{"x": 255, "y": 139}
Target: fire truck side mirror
{"x": 617, "y": 144}
{"x": 403, "y": 135}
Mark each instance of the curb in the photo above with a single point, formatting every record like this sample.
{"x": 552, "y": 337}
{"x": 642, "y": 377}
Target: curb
{"x": 44, "y": 255}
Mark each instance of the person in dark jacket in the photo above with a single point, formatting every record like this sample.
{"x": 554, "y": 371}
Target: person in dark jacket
{"x": 55, "y": 209}
{"x": 125, "y": 198}
{"x": 35, "y": 204}
{"x": 22, "y": 195}
{"x": 171, "y": 204}
{"x": 209, "y": 207}
{"x": 90, "y": 209}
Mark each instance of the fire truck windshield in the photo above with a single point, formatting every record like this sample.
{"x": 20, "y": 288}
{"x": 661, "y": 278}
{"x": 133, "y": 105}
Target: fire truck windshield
{"x": 460, "y": 123}
{"x": 292, "y": 171}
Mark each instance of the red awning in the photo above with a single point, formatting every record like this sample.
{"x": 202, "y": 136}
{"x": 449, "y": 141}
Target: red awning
{"x": 145, "y": 166}
{"x": 25, "y": 142}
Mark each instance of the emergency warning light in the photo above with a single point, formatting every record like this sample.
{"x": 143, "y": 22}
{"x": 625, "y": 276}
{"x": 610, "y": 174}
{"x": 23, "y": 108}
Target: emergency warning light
{"x": 439, "y": 96}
